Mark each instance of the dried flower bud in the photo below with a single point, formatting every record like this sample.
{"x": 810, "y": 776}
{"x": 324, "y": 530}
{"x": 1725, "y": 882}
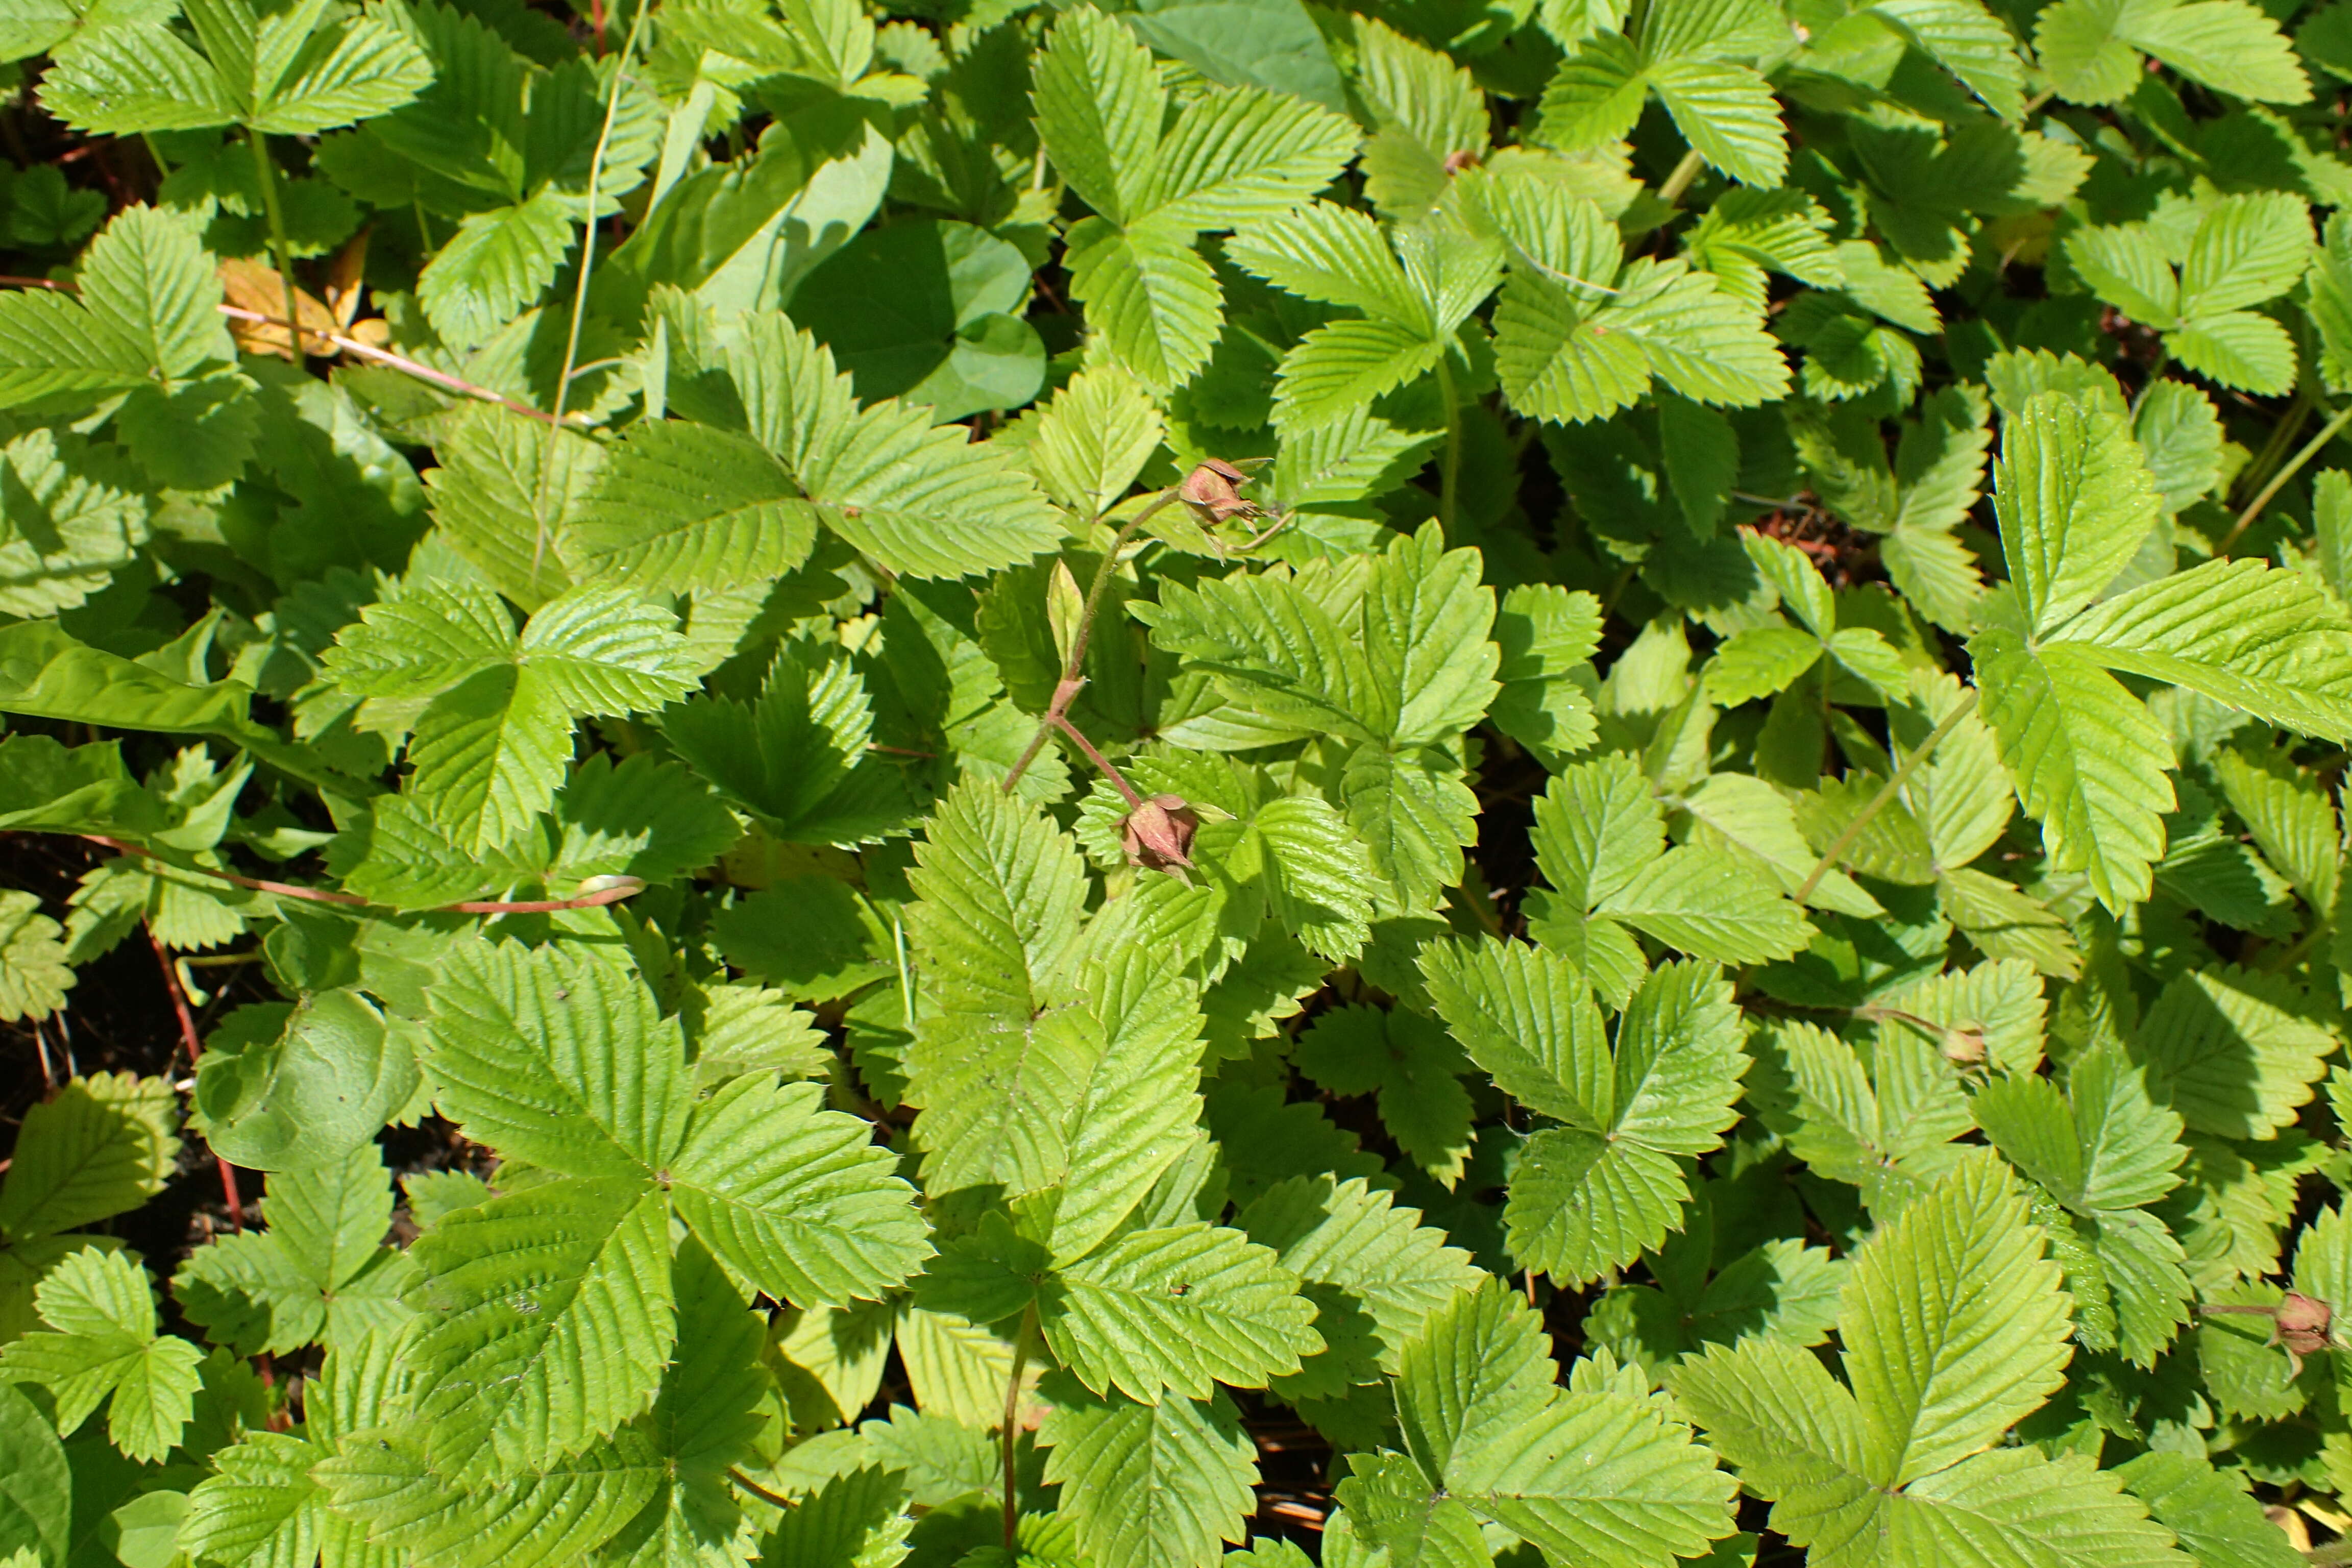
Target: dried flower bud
{"x": 1964, "y": 1044}
{"x": 1212, "y": 490}
{"x": 2303, "y": 1324}
{"x": 1159, "y": 835}
{"x": 1459, "y": 160}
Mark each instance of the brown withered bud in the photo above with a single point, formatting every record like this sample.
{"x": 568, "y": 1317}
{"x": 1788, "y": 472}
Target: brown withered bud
{"x": 1459, "y": 160}
{"x": 1158, "y": 835}
{"x": 1212, "y": 490}
{"x": 2303, "y": 1324}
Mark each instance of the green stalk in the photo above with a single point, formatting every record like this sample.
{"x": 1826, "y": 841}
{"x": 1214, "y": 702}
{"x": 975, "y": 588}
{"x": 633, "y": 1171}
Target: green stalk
{"x": 1021, "y": 1343}
{"x": 268, "y": 173}
{"x": 1449, "y": 472}
{"x": 1845, "y": 841}
{"x": 2317, "y": 444}
{"x": 580, "y": 293}
{"x": 1671, "y": 193}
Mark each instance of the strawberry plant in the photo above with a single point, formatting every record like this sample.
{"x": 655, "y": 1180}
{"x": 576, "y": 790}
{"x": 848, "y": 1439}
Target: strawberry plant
{"x": 1455, "y": 784}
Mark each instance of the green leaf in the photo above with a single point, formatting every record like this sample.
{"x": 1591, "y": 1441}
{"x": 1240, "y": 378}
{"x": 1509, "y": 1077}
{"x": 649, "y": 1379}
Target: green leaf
{"x": 925, "y": 501}
{"x": 286, "y": 1086}
{"x": 37, "y": 1489}
{"x": 1710, "y": 905}
{"x": 1150, "y": 293}
{"x": 101, "y": 1146}
{"x": 496, "y": 264}
{"x": 100, "y": 1348}
{"x": 928, "y": 311}
{"x": 382, "y": 1481}
{"x": 1592, "y": 1194}
{"x": 2090, "y": 762}
{"x": 682, "y": 509}
{"x": 558, "y": 1057}
{"x": 1178, "y": 1309}
{"x": 148, "y": 276}
{"x": 1000, "y": 895}
{"x": 316, "y": 1275}
{"x": 489, "y": 747}
{"x": 35, "y": 973}
{"x": 800, "y": 759}
{"x": 546, "y": 1321}
{"x": 1953, "y": 1325}
{"x": 852, "y": 1520}
{"x": 1094, "y": 438}
{"x": 500, "y": 496}
{"x": 1603, "y": 1474}
{"x": 140, "y": 77}
{"x": 2214, "y": 1518}
{"x": 794, "y": 1198}
{"x": 705, "y": 1422}
{"x": 2103, "y": 1145}
{"x": 347, "y": 70}
{"x": 2233, "y": 1052}
{"x": 1412, "y": 1064}
{"x": 1728, "y": 115}
{"x": 2238, "y": 631}
{"x": 2075, "y": 499}
{"x": 1099, "y": 111}
{"x": 1161, "y": 1483}
{"x": 260, "y": 1505}
{"x": 2091, "y": 47}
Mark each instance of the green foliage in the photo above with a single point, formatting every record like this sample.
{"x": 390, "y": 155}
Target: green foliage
{"x": 1594, "y": 747}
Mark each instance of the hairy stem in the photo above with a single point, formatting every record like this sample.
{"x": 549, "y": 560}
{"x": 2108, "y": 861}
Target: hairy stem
{"x": 1118, "y": 780}
{"x": 1845, "y": 841}
{"x": 267, "y": 174}
{"x": 195, "y": 1048}
{"x": 1073, "y": 678}
{"x": 1013, "y": 1419}
{"x": 2278, "y": 481}
{"x": 580, "y": 291}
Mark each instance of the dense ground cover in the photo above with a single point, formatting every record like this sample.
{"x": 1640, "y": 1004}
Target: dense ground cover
{"x": 1438, "y": 785}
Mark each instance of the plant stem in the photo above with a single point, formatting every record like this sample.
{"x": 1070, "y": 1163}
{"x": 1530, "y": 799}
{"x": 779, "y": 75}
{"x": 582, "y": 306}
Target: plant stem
{"x": 267, "y": 174}
{"x": 196, "y": 1049}
{"x": 2287, "y": 426}
{"x": 1013, "y": 1419}
{"x": 1073, "y": 681}
{"x": 1449, "y": 472}
{"x": 353, "y": 901}
{"x": 2316, "y": 445}
{"x": 580, "y": 291}
{"x": 1117, "y": 780}
{"x": 1853, "y": 830}
{"x": 757, "y": 1490}
{"x": 1671, "y": 193}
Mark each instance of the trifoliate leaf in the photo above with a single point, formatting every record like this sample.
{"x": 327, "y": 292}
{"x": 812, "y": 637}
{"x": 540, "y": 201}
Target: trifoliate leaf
{"x": 1591, "y": 1194}
{"x": 317, "y": 1274}
{"x": 100, "y": 1348}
